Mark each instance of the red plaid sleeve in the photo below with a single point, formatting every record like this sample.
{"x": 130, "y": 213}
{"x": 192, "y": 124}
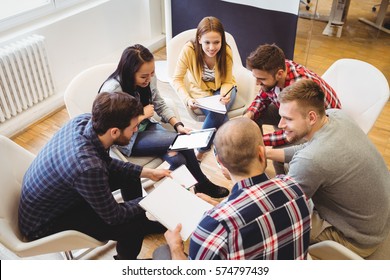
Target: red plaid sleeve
{"x": 275, "y": 139}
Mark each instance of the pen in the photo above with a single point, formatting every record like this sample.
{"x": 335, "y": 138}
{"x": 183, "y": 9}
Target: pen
{"x": 229, "y": 91}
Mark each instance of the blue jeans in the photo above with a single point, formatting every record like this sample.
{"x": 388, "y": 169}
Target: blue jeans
{"x": 155, "y": 141}
{"x": 214, "y": 119}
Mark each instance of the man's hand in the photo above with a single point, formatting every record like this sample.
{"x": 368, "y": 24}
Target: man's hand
{"x": 175, "y": 243}
{"x": 155, "y": 174}
{"x": 249, "y": 114}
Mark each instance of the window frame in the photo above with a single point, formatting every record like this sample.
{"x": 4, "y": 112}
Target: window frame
{"x": 24, "y": 17}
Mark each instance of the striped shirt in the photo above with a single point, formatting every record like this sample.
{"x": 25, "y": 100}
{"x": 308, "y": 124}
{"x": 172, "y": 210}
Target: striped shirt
{"x": 262, "y": 219}
{"x": 208, "y": 75}
{"x": 294, "y": 72}
{"x": 72, "y": 167}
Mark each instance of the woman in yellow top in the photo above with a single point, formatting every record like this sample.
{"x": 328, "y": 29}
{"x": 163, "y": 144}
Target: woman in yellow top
{"x": 207, "y": 62}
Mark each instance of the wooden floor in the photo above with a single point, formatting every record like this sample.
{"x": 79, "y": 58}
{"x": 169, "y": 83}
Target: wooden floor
{"x": 312, "y": 49}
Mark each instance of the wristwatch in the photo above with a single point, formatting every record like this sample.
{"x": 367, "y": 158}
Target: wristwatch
{"x": 177, "y": 124}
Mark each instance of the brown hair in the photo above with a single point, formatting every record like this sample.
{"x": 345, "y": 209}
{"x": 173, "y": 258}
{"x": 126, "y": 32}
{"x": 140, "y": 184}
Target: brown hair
{"x": 268, "y": 58}
{"x": 308, "y": 95}
{"x": 115, "y": 109}
{"x": 236, "y": 144}
{"x": 206, "y": 25}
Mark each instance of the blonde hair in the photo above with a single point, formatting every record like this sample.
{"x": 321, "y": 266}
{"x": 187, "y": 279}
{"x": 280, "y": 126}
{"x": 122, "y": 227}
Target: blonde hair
{"x": 308, "y": 95}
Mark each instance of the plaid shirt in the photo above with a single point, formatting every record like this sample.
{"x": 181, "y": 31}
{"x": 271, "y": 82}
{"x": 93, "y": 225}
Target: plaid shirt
{"x": 294, "y": 73}
{"x": 73, "y": 166}
{"x": 262, "y": 219}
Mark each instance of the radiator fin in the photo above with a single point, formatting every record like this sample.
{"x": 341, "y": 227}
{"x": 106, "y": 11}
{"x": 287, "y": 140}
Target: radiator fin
{"x": 25, "y": 77}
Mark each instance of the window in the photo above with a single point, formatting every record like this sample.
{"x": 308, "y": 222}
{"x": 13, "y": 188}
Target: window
{"x": 15, "y": 12}
{"x": 15, "y": 7}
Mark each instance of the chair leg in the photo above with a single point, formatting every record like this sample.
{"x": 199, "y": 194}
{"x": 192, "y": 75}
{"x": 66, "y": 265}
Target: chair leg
{"x": 68, "y": 255}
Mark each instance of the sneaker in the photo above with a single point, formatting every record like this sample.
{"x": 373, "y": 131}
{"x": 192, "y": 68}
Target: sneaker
{"x": 211, "y": 189}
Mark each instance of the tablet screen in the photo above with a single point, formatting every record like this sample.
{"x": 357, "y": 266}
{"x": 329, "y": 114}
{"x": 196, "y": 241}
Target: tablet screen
{"x": 196, "y": 139}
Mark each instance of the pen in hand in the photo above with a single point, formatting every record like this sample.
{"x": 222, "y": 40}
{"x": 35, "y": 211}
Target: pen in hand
{"x": 229, "y": 91}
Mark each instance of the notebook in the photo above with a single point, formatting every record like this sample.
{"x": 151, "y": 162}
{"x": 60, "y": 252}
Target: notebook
{"x": 171, "y": 204}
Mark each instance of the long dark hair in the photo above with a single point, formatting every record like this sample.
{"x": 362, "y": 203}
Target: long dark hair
{"x": 207, "y": 25}
{"x": 132, "y": 59}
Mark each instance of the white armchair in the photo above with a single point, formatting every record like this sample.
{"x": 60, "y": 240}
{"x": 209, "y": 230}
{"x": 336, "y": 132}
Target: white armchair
{"x": 362, "y": 89}
{"x": 14, "y": 162}
{"x": 246, "y": 83}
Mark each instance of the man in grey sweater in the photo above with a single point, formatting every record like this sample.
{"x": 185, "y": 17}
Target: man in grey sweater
{"x": 338, "y": 167}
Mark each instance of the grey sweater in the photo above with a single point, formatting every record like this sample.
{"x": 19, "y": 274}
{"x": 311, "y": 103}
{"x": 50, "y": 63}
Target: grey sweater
{"x": 347, "y": 178}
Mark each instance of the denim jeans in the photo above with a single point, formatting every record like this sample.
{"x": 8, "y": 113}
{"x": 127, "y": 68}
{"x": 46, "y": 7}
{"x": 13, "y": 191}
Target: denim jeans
{"x": 155, "y": 141}
{"x": 214, "y": 119}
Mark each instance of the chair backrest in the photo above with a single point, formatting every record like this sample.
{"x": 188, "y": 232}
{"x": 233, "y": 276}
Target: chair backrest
{"x": 82, "y": 90}
{"x": 175, "y": 45}
{"x": 14, "y": 162}
{"x": 362, "y": 89}
{"x": 246, "y": 83}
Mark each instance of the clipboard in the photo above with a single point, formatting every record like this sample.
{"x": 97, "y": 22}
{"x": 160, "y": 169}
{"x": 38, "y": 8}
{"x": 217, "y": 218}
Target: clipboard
{"x": 195, "y": 139}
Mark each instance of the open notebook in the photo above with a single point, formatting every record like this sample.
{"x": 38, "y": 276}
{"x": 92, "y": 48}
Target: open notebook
{"x": 171, "y": 203}
{"x": 211, "y": 103}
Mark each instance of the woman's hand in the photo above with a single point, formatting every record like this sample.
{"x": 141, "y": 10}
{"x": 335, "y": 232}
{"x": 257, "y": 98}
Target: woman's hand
{"x": 148, "y": 111}
{"x": 225, "y": 100}
{"x": 191, "y": 103}
{"x": 183, "y": 130}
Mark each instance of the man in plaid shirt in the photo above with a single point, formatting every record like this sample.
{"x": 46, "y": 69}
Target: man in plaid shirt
{"x": 69, "y": 184}
{"x": 262, "y": 218}
{"x": 273, "y": 72}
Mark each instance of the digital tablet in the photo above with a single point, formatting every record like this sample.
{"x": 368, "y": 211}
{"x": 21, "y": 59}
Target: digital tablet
{"x": 196, "y": 139}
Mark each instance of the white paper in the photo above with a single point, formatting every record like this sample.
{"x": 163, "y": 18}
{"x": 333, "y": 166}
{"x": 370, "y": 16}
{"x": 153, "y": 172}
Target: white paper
{"x": 182, "y": 176}
{"x": 211, "y": 103}
{"x": 172, "y": 204}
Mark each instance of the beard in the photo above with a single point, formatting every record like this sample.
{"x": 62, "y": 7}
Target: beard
{"x": 122, "y": 141}
{"x": 269, "y": 88}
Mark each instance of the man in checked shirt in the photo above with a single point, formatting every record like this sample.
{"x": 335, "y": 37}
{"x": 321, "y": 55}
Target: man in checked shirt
{"x": 69, "y": 184}
{"x": 273, "y": 72}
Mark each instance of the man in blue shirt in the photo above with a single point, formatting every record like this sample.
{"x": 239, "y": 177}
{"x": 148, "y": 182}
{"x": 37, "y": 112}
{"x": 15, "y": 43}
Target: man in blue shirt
{"x": 69, "y": 184}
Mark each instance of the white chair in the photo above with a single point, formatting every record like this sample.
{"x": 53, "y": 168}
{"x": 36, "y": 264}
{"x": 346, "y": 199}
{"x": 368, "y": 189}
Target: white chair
{"x": 14, "y": 162}
{"x": 331, "y": 250}
{"x": 362, "y": 89}
{"x": 80, "y": 94}
{"x": 246, "y": 83}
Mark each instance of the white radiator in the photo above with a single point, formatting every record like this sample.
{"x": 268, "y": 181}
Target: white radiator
{"x": 25, "y": 78}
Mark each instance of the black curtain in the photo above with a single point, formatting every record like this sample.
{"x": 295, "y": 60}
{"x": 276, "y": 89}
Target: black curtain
{"x": 250, "y": 26}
